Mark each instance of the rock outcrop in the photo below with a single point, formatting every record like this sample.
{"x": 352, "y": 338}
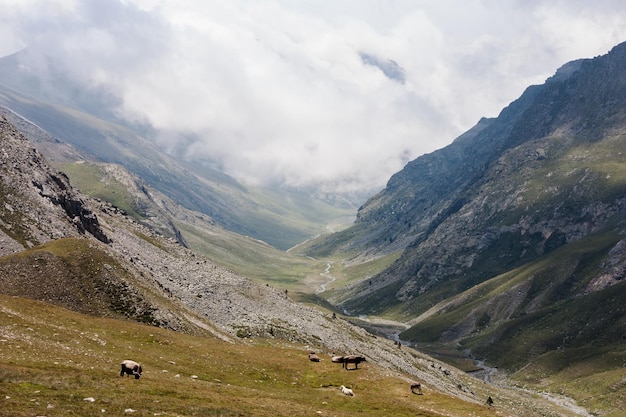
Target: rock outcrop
{"x": 43, "y": 198}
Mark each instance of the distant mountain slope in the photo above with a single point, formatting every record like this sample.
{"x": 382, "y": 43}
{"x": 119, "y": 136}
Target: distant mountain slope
{"x": 547, "y": 172}
{"x": 82, "y": 119}
{"x": 197, "y": 231}
{"x": 513, "y": 236}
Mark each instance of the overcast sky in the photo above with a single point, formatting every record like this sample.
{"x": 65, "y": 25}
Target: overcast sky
{"x": 340, "y": 93}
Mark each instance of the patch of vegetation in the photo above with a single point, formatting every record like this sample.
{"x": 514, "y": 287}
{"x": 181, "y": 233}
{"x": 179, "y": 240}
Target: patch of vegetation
{"x": 591, "y": 374}
{"x": 289, "y": 218}
{"x": 379, "y": 302}
{"x": 314, "y": 299}
{"x": 74, "y": 274}
{"x": 252, "y": 258}
{"x": 154, "y": 242}
{"x": 555, "y": 335}
{"x": 358, "y": 271}
{"x": 327, "y": 245}
{"x": 577, "y": 349}
{"x": 558, "y": 276}
{"x": 91, "y": 179}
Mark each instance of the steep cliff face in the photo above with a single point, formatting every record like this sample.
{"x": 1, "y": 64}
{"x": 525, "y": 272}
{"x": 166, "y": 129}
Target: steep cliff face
{"x": 549, "y": 171}
{"x": 38, "y": 204}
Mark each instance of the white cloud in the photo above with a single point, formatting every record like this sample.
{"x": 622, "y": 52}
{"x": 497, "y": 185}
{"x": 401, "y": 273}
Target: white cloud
{"x": 277, "y": 91}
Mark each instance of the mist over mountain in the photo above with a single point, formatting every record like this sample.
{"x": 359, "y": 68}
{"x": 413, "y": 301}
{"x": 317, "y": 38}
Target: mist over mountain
{"x": 389, "y": 67}
{"x": 86, "y": 120}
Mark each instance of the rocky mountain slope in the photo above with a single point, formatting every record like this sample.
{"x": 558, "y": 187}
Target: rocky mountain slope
{"x": 511, "y": 238}
{"x": 146, "y": 205}
{"x": 547, "y": 172}
{"x": 46, "y": 222}
{"x": 91, "y": 257}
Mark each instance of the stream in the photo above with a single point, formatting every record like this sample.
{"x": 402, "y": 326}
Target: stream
{"x": 329, "y": 278}
{"x": 490, "y": 376}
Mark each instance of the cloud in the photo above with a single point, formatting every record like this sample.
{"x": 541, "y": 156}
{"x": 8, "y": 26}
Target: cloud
{"x": 336, "y": 94}
{"x": 389, "y": 67}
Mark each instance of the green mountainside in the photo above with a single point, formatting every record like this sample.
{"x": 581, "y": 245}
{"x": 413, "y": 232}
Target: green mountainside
{"x": 56, "y": 362}
{"x": 511, "y": 241}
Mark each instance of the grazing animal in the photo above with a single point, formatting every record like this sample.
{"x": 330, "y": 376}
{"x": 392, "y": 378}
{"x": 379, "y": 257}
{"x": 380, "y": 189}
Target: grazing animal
{"x": 345, "y": 360}
{"x": 355, "y": 359}
{"x": 416, "y": 386}
{"x": 313, "y": 357}
{"x": 346, "y": 391}
{"x": 489, "y": 401}
{"x": 131, "y": 368}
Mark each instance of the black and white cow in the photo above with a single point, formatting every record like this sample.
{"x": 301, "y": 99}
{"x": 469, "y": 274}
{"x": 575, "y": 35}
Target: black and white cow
{"x": 131, "y": 368}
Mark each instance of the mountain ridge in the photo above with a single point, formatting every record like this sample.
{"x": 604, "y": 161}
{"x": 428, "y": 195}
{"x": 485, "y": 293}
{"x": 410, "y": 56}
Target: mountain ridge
{"x": 439, "y": 187}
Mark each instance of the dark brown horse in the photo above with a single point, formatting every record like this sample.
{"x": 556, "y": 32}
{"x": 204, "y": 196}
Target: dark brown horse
{"x": 345, "y": 360}
{"x": 416, "y": 386}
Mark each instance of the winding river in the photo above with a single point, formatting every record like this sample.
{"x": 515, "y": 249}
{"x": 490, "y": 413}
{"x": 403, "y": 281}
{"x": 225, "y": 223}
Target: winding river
{"x": 329, "y": 278}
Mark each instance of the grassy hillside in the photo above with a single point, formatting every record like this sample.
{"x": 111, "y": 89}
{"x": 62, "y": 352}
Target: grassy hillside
{"x": 253, "y": 259}
{"x": 541, "y": 324}
{"x": 245, "y": 255}
{"x": 55, "y": 362}
{"x": 90, "y": 179}
{"x": 74, "y": 274}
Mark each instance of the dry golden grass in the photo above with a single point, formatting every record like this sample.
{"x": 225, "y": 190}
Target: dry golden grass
{"x": 54, "y": 362}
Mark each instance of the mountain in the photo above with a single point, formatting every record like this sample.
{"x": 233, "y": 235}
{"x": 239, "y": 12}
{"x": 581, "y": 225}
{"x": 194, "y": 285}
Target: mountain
{"x": 85, "y": 119}
{"x": 510, "y": 242}
{"x": 85, "y": 260}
